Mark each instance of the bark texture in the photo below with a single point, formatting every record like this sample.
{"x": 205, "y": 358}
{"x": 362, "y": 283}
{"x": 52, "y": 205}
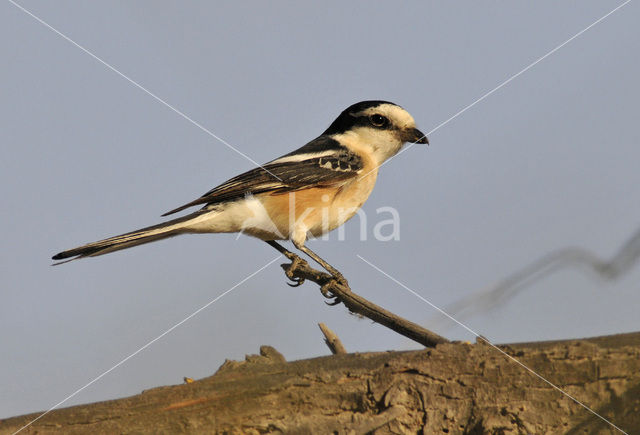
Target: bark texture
{"x": 452, "y": 388}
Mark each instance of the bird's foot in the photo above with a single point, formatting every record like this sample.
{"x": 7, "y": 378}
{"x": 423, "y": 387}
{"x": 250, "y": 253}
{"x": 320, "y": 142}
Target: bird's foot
{"x": 328, "y": 294}
{"x": 290, "y": 270}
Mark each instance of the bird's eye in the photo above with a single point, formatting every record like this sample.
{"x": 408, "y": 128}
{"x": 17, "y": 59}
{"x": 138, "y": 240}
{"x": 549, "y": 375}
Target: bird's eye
{"x": 378, "y": 120}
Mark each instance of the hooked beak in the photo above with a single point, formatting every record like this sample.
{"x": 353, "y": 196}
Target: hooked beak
{"x": 414, "y": 135}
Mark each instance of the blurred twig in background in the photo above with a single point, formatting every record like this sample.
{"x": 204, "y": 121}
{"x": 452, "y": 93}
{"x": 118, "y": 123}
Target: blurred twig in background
{"x": 505, "y": 289}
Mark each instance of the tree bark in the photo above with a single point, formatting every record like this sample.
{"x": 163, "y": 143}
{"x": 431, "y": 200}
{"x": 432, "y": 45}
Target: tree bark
{"x": 452, "y": 388}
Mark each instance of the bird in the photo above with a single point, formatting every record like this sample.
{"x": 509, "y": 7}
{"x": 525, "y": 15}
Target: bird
{"x": 307, "y": 192}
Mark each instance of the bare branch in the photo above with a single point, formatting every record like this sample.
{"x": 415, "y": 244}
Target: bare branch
{"x": 339, "y": 292}
{"x": 332, "y": 340}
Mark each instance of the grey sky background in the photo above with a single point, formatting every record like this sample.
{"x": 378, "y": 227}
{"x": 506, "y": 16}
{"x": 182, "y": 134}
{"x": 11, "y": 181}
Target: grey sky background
{"x": 548, "y": 161}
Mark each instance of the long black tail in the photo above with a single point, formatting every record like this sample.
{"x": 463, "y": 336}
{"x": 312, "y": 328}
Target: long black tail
{"x": 127, "y": 240}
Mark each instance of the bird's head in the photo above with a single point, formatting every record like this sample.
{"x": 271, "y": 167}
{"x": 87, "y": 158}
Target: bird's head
{"x": 379, "y": 125}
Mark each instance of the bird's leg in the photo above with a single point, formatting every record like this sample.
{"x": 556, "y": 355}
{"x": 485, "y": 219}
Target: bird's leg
{"x": 295, "y": 262}
{"x": 281, "y": 249}
{"x": 329, "y": 268}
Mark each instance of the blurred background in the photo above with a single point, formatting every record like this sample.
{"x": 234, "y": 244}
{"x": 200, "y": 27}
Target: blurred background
{"x": 548, "y": 161}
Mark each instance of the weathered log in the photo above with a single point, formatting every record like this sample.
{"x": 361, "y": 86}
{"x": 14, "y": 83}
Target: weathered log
{"x": 452, "y": 388}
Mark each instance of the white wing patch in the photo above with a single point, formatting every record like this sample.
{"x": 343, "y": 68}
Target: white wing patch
{"x": 301, "y": 157}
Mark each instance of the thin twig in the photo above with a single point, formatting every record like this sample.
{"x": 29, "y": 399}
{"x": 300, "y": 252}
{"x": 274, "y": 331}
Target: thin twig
{"x": 332, "y": 340}
{"x": 501, "y": 292}
{"x": 299, "y": 271}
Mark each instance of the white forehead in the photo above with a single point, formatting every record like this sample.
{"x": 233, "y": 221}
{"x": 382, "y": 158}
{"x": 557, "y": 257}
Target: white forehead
{"x": 396, "y": 114}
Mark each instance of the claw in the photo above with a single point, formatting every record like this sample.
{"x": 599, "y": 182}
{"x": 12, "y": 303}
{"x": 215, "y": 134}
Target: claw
{"x": 335, "y": 301}
{"x": 297, "y": 282}
{"x": 326, "y": 292}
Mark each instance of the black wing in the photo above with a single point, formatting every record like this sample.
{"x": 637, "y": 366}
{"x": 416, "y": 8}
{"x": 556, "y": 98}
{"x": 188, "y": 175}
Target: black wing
{"x": 321, "y": 162}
